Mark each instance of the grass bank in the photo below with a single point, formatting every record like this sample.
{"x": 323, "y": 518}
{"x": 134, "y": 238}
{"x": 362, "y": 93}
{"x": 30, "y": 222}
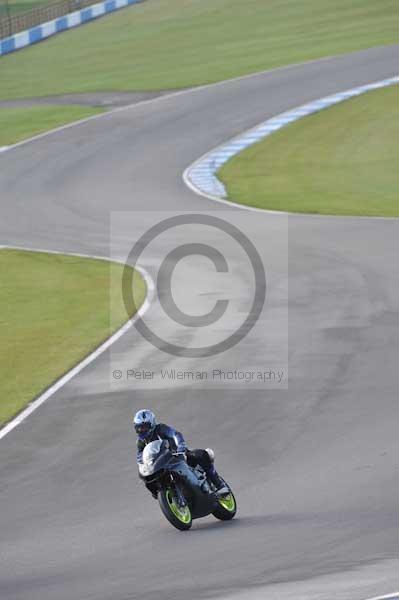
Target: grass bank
{"x": 341, "y": 161}
{"x": 162, "y": 44}
{"x": 55, "y": 310}
{"x": 17, "y": 124}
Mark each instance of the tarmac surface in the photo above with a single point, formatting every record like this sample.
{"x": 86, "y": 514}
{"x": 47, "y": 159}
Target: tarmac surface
{"x": 314, "y": 462}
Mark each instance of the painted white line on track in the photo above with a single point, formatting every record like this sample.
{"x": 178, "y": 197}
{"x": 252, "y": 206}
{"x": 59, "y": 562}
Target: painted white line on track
{"x": 201, "y": 175}
{"x": 96, "y": 353}
{"x": 394, "y": 596}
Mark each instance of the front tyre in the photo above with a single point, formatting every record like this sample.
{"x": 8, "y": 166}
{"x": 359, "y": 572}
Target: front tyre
{"x": 179, "y": 517}
{"x": 226, "y": 507}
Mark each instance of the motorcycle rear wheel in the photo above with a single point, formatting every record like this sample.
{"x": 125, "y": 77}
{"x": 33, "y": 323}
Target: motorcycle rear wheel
{"x": 178, "y": 517}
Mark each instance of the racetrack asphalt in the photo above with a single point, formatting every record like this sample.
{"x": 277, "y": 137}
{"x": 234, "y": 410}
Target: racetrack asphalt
{"x": 315, "y": 467}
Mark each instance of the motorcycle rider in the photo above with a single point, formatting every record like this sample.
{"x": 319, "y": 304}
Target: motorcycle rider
{"x": 148, "y": 430}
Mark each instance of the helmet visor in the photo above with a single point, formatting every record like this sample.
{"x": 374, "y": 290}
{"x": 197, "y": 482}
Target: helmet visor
{"x": 142, "y": 428}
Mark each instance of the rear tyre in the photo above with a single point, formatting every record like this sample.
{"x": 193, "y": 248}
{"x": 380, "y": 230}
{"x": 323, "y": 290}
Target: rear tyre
{"x": 177, "y": 516}
{"x": 226, "y": 507}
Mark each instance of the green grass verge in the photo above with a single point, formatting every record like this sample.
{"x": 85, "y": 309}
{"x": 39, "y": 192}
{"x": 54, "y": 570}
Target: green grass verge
{"x": 17, "y": 124}
{"x": 341, "y": 161}
{"x": 54, "y": 310}
{"x": 177, "y": 43}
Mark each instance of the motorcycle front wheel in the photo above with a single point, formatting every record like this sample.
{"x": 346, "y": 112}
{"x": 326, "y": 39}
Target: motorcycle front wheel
{"x": 226, "y": 507}
{"x": 179, "y": 517}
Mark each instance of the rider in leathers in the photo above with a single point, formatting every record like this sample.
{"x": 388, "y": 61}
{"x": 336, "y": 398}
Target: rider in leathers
{"x": 148, "y": 430}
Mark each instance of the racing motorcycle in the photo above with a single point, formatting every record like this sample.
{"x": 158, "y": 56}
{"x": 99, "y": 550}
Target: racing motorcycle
{"x": 183, "y": 492}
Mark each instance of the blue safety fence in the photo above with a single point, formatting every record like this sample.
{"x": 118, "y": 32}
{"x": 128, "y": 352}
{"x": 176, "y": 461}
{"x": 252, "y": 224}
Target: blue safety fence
{"x": 74, "y": 19}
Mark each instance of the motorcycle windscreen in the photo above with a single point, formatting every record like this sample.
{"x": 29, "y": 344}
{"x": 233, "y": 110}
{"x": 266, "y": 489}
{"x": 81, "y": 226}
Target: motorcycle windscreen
{"x": 151, "y": 452}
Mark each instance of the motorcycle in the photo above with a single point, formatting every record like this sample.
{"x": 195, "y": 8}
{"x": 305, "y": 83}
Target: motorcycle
{"x": 183, "y": 492}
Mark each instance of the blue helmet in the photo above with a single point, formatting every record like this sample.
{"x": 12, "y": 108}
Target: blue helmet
{"x": 144, "y": 423}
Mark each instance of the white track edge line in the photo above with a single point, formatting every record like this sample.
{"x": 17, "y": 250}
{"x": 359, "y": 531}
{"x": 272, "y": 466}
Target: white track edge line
{"x": 394, "y": 596}
{"x": 237, "y": 138}
{"x": 8, "y": 427}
